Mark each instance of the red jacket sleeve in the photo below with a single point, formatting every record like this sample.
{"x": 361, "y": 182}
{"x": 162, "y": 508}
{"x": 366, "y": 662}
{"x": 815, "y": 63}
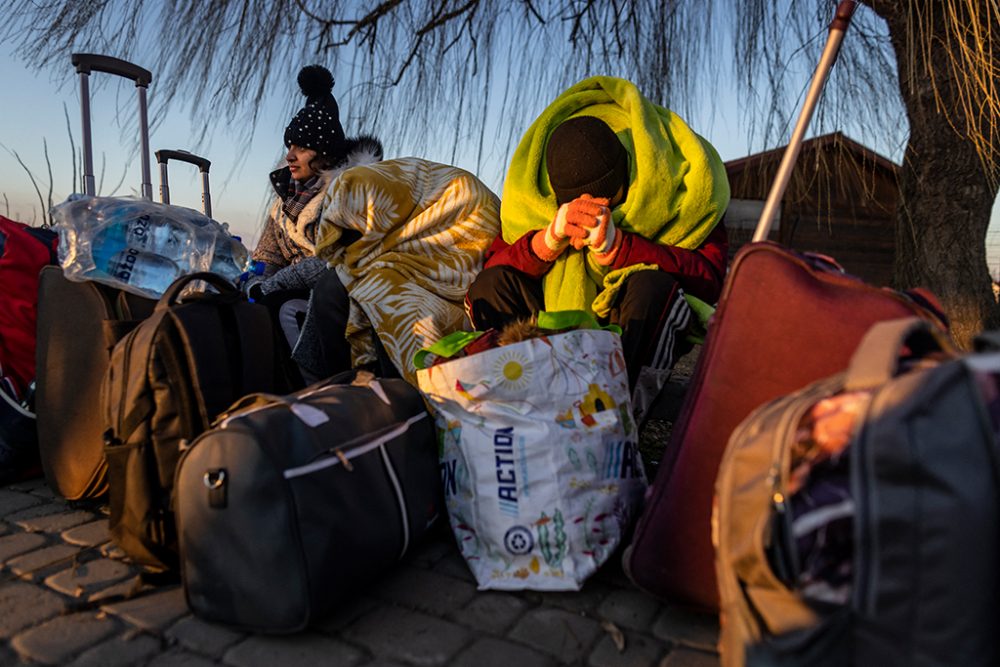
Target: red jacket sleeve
{"x": 518, "y": 256}
{"x": 700, "y": 272}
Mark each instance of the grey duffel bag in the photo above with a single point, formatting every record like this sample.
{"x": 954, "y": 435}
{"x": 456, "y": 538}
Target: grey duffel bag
{"x": 290, "y": 504}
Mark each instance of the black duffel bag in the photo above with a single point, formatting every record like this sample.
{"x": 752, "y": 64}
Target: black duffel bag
{"x": 290, "y": 504}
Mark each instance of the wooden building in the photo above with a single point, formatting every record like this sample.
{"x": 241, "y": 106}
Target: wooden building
{"x": 840, "y": 202}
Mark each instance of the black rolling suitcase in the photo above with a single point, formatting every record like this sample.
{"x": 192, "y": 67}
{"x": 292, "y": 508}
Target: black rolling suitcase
{"x": 291, "y": 504}
{"x": 80, "y": 322}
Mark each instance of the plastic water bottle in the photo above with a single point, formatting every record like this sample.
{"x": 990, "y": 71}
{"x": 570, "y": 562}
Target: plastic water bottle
{"x": 159, "y": 236}
{"x": 229, "y": 258}
{"x": 143, "y": 270}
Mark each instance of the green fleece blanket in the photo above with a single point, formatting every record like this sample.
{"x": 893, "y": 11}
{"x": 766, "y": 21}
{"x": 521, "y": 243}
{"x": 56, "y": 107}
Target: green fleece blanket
{"x": 678, "y": 189}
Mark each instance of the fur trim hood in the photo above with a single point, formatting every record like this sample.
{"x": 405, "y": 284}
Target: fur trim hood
{"x": 361, "y": 150}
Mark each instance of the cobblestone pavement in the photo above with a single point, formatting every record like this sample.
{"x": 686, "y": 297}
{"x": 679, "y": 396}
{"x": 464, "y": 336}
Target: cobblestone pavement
{"x": 67, "y": 598}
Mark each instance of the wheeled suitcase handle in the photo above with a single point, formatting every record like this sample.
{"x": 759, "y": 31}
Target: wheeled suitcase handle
{"x": 841, "y": 20}
{"x": 86, "y": 63}
{"x": 163, "y": 156}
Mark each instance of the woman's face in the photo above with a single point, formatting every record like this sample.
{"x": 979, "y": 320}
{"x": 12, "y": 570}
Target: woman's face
{"x": 299, "y": 160}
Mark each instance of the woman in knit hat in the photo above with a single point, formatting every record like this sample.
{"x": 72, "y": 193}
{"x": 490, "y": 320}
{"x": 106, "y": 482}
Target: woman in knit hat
{"x": 287, "y": 269}
{"x": 606, "y": 248}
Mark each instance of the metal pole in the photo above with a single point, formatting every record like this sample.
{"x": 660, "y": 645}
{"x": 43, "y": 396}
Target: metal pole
{"x": 147, "y": 181}
{"x": 89, "y": 185}
{"x": 837, "y": 29}
{"x": 164, "y": 187}
{"x": 206, "y": 198}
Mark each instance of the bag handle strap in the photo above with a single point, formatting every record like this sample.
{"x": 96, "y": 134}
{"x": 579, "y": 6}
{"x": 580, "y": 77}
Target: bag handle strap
{"x": 876, "y": 359}
{"x": 173, "y": 292}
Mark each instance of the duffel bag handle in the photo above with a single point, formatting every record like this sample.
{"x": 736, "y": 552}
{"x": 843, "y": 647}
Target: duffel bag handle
{"x": 173, "y": 292}
{"x": 876, "y": 359}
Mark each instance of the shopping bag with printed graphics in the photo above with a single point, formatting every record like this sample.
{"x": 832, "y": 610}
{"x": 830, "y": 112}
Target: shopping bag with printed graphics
{"x": 538, "y": 454}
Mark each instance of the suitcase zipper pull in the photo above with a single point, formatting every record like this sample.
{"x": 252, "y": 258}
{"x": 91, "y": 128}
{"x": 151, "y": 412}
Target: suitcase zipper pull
{"x": 343, "y": 459}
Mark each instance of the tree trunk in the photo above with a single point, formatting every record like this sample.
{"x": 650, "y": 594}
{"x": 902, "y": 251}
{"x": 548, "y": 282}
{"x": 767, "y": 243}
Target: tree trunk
{"x": 945, "y": 192}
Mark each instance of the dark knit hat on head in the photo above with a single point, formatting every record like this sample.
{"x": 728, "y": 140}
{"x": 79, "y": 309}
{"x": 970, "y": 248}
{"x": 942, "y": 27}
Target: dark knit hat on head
{"x": 317, "y": 124}
{"x": 584, "y": 156}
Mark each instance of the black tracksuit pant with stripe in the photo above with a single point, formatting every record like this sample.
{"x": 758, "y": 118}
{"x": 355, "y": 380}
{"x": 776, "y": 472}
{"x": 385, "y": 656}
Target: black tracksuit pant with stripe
{"x": 650, "y": 308}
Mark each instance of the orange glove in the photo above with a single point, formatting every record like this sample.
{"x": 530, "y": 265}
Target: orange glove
{"x": 554, "y": 239}
{"x": 602, "y": 237}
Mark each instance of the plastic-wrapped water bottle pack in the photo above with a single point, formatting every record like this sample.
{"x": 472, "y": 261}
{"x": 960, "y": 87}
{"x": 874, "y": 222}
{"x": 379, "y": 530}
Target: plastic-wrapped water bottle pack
{"x": 142, "y": 246}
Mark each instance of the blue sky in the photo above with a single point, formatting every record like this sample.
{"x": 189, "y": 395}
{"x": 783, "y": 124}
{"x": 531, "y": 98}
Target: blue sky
{"x": 36, "y": 104}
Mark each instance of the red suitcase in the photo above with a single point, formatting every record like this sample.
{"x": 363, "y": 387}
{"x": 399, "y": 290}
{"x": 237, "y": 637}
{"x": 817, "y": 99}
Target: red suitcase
{"x": 785, "y": 319}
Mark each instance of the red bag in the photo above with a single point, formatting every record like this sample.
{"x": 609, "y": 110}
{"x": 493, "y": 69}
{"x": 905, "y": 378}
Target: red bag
{"x": 785, "y": 319}
{"x": 24, "y": 251}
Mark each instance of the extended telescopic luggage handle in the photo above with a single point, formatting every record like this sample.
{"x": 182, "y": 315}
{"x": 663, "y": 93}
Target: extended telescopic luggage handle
{"x": 86, "y": 63}
{"x": 839, "y": 25}
{"x": 164, "y": 155}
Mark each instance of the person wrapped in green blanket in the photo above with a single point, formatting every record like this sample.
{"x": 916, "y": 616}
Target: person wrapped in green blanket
{"x": 614, "y": 206}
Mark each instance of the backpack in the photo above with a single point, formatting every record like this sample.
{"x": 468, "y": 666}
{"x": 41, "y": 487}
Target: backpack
{"x": 24, "y": 251}
{"x": 856, "y": 520}
{"x": 167, "y": 381}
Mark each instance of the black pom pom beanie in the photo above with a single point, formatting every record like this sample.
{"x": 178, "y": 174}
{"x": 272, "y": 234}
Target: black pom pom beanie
{"x": 317, "y": 124}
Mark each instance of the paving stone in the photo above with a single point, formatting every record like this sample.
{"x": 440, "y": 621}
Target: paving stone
{"x": 639, "y": 651}
{"x": 491, "y": 652}
{"x": 55, "y": 522}
{"x": 302, "y": 649}
{"x": 45, "y": 509}
{"x": 346, "y": 614}
{"x": 89, "y": 534}
{"x": 425, "y": 590}
{"x": 181, "y": 658}
{"x": 201, "y": 637}
{"x": 557, "y": 632}
{"x": 112, "y": 550}
{"x": 453, "y": 565}
{"x": 629, "y": 609}
{"x": 55, "y": 641}
{"x": 586, "y": 600}
{"x": 13, "y": 501}
{"x": 125, "y": 589}
{"x": 127, "y": 649}
{"x": 686, "y": 626}
{"x": 23, "y": 605}
{"x": 152, "y": 611}
{"x": 88, "y": 578}
{"x": 682, "y": 657}
{"x": 408, "y": 636}
{"x": 31, "y": 485}
{"x": 9, "y": 658}
{"x": 491, "y": 612}
{"x": 431, "y": 549}
{"x": 19, "y": 543}
{"x": 37, "y": 561}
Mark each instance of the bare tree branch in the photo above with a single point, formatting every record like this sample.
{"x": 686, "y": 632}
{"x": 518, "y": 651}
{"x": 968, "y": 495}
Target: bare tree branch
{"x": 31, "y": 176}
